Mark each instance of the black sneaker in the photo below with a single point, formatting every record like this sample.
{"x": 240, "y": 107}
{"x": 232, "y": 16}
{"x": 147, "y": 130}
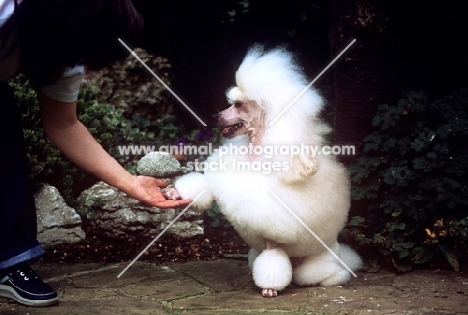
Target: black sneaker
{"x": 23, "y": 285}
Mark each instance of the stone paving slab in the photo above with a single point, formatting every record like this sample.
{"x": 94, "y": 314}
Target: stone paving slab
{"x": 225, "y": 287}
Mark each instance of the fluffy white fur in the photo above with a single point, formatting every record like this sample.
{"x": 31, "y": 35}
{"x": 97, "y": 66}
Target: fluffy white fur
{"x": 316, "y": 188}
{"x": 186, "y": 184}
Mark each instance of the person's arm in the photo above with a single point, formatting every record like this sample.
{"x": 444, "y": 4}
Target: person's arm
{"x": 72, "y": 138}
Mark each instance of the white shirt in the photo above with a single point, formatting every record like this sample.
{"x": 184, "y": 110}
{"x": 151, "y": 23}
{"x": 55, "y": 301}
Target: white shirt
{"x": 64, "y": 90}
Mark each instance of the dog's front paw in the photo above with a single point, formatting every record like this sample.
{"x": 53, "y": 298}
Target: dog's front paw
{"x": 171, "y": 194}
{"x": 269, "y": 293}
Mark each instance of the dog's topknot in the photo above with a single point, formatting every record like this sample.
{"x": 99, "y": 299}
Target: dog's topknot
{"x": 273, "y": 77}
{"x": 262, "y": 69}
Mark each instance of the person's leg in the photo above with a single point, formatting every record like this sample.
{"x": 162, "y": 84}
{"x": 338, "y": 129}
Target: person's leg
{"x": 17, "y": 210}
{"x": 18, "y": 227}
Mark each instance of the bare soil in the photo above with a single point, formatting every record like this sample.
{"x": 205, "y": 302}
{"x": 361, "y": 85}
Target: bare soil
{"x": 216, "y": 243}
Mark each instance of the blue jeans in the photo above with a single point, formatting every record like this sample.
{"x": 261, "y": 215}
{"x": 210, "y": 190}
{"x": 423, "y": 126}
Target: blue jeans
{"x": 18, "y": 227}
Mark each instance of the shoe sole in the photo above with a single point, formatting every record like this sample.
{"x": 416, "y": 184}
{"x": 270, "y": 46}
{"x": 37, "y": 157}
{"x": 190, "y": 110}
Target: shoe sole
{"x": 10, "y": 293}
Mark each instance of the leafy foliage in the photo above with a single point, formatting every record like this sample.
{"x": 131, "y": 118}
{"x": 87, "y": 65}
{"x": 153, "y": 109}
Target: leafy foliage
{"x": 214, "y": 217}
{"x": 47, "y": 164}
{"x": 143, "y": 131}
{"x": 410, "y": 186}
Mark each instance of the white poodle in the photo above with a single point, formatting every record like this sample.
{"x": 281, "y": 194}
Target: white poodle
{"x": 256, "y": 161}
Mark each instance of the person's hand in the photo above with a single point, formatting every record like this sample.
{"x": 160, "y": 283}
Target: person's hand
{"x": 146, "y": 189}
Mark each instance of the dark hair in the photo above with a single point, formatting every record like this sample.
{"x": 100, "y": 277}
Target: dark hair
{"x": 55, "y": 34}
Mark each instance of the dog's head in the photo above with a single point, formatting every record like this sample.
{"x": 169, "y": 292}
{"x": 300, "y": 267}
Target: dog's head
{"x": 273, "y": 104}
{"x": 244, "y": 116}
{"x": 266, "y": 83}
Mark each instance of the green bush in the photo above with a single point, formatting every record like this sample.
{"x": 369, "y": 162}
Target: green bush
{"x": 47, "y": 164}
{"x": 143, "y": 131}
{"x": 409, "y": 188}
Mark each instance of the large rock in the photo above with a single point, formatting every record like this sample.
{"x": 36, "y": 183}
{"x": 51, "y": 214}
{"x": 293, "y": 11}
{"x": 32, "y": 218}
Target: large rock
{"x": 57, "y": 223}
{"x": 121, "y": 216}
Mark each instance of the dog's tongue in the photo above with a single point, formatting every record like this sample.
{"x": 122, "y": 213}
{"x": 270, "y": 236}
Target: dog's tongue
{"x": 229, "y": 130}
{"x": 226, "y": 131}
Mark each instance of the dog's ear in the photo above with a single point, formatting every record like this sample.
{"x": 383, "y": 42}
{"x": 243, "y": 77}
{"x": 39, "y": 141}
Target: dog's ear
{"x": 300, "y": 168}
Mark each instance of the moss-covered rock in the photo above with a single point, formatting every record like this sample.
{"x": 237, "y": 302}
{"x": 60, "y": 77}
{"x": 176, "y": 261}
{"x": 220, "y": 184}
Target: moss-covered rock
{"x": 159, "y": 164}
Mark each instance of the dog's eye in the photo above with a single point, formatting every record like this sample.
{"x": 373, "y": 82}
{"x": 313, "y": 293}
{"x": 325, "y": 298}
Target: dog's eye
{"x": 237, "y": 104}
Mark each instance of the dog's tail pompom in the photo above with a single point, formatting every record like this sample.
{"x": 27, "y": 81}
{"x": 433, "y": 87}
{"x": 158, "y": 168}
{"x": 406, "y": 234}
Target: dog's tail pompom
{"x": 350, "y": 257}
{"x": 191, "y": 186}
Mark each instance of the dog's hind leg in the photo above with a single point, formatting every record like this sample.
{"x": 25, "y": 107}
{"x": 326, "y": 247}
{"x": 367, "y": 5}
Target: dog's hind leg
{"x": 272, "y": 270}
